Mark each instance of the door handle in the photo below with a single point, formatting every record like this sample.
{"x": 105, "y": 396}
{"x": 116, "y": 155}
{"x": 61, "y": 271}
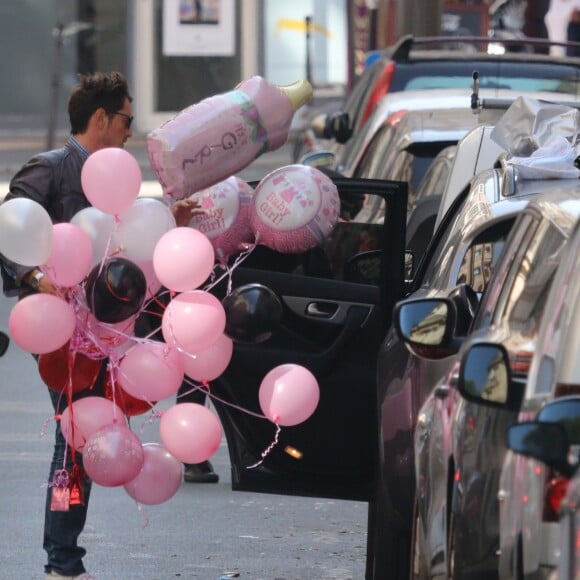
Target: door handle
{"x": 321, "y": 309}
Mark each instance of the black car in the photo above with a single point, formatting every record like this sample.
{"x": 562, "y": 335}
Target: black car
{"x": 337, "y": 303}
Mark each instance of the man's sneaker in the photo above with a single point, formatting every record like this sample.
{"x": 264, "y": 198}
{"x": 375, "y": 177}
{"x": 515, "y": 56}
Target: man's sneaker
{"x": 200, "y": 473}
{"x": 83, "y": 576}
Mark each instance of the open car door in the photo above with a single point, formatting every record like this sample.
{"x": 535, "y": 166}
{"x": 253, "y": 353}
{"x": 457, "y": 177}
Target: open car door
{"x": 337, "y": 302}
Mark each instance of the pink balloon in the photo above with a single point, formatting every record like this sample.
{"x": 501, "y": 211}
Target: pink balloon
{"x": 193, "y": 321}
{"x": 183, "y": 259}
{"x": 289, "y": 394}
{"x": 113, "y": 455}
{"x": 211, "y": 362}
{"x": 151, "y": 371}
{"x": 159, "y": 478}
{"x": 294, "y": 208}
{"x": 111, "y": 179}
{"x": 225, "y": 219}
{"x": 70, "y": 257}
{"x": 41, "y": 323}
{"x": 86, "y": 417}
{"x": 190, "y": 432}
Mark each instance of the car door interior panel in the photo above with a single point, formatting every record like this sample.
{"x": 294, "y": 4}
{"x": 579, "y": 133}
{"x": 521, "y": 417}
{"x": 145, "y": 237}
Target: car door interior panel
{"x": 337, "y": 301}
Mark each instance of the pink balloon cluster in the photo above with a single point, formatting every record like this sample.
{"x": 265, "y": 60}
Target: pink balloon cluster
{"x": 292, "y": 210}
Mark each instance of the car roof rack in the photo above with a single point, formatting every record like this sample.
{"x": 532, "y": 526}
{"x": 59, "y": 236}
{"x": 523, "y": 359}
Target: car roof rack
{"x": 402, "y": 49}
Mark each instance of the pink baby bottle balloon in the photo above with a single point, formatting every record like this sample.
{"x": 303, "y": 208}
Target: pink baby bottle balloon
{"x": 221, "y": 135}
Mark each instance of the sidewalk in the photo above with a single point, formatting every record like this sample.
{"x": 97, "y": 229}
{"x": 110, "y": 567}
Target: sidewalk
{"x": 17, "y": 148}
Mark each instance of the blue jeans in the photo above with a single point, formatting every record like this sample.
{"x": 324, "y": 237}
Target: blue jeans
{"x": 62, "y": 529}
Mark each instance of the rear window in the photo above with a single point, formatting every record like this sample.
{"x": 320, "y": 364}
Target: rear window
{"x": 502, "y": 75}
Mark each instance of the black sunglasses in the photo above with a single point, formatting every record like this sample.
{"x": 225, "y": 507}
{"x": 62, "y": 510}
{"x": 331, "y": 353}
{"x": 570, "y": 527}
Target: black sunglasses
{"x": 128, "y": 119}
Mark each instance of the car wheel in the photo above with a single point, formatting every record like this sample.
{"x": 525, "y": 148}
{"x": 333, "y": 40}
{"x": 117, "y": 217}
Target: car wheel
{"x": 388, "y": 546}
{"x": 418, "y": 565}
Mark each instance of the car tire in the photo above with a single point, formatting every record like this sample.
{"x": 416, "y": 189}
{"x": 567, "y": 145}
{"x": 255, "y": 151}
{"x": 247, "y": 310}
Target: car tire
{"x": 418, "y": 566}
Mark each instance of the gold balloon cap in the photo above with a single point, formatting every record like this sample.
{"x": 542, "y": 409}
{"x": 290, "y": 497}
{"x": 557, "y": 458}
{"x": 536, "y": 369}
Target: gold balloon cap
{"x": 298, "y": 93}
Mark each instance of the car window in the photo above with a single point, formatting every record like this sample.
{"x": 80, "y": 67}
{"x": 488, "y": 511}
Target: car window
{"x": 517, "y": 240}
{"x": 525, "y": 292}
{"x": 440, "y": 266}
{"x": 376, "y": 151}
{"x": 520, "y": 76}
{"x": 482, "y": 256}
{"x": 352, "y": 236}
{"x": 435, "y": 178}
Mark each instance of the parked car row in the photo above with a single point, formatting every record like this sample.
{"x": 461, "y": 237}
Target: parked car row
{"x": 429, "y": 64}
{"x": 421, "y": 316}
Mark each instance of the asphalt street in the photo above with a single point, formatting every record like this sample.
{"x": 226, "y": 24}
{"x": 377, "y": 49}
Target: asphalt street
{"x": 205, "y": 531}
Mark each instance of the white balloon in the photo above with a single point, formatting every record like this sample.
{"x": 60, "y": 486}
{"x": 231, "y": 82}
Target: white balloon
{"x": 99, "y": 226}
{"x": 25, "y": 231}
{"x": 141, "y": 227}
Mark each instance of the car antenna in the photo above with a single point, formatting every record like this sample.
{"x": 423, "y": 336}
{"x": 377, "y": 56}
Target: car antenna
{"x": 475, "y": 101}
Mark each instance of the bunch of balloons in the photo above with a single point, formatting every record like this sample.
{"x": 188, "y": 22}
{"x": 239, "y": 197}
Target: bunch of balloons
{"x": 111, "y": 262}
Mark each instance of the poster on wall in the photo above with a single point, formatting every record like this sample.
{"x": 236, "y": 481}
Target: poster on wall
{"x": 289, "y": 41}
{"x": 199, "y": 28}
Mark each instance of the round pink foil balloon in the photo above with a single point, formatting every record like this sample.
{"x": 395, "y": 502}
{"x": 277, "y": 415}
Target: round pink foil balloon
{"x": 289, "y": 394}
{"x": 71, "y": 255}
{"x": 87, "y": 416}
{"x": 41, "y": 323}
{"x": 183, "y": 259}
{"x": 225, "y": 219}
{"x": 113, "y": 455}
{"x": 190, "y": 432}
{"x": 111, "y": 179}
{"x": 151, "y": 371}
{"x": 211, "y": 362}
{"x": 159, "y": 478}
{"x": 294, "y": 208}
{"x": 193, "y": 321}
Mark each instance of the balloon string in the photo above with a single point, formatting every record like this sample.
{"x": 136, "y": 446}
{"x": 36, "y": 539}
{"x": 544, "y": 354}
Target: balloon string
{"x": 229, "y": 269}
{"x": 268, "y": 449}
{"x": 143, "y": 514}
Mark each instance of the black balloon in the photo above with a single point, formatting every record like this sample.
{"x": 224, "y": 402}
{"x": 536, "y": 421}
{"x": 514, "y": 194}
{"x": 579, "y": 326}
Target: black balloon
{"x": 116, "y": 291}
{"x": 253, "y": 312}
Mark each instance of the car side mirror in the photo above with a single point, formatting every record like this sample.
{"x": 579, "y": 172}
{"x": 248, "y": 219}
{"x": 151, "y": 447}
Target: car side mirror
{"x": 364, "y": 268}
{"x": 319, "y": 159}
{"x": 4, "y": 342}
{"x": 426, "y": 326}
{"x": 546, "y": 442}
{"x": 339, "y": 127}
{"x": 485, "y": 377}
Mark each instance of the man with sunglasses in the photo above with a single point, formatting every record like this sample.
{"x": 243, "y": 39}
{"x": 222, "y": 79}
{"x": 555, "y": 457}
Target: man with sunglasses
{"x": 99, "y": 109}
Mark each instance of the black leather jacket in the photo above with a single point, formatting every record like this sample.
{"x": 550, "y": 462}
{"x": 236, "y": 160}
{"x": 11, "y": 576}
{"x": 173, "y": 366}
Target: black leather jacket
{"x": 53, "y": 179}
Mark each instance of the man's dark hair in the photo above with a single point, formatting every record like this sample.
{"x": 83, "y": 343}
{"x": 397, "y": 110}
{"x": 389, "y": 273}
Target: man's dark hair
{"x": 94, "y": 91}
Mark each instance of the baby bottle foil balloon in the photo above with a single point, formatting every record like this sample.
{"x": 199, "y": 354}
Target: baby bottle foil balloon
{"x": 219, "y": 136}
{"x": 294, "y": 208}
